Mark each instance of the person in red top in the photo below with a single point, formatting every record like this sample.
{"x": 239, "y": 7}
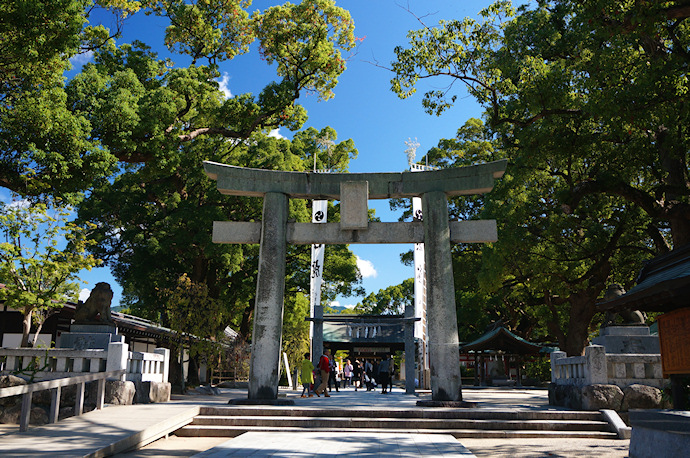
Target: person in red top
{"x": 324, "y": 369}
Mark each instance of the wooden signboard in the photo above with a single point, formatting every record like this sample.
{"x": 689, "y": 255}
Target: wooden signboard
{"x": 674, "y": 337}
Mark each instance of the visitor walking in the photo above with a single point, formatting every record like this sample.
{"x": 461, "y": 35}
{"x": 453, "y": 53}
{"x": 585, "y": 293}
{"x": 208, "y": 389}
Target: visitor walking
{"x": 385, "y": 373}
{"x": 324, "y": 369}
{"x": 333, "y": 375}
{"x": 357, "y": 374}
{"x": 347, "y": 373}
{"x": 369, "y": 375}
{"x": 307, "y": 376}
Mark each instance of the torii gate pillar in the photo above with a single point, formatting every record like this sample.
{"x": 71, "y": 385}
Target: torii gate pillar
{"x": 442, "y": 320}
{"x": 270, "y": 293}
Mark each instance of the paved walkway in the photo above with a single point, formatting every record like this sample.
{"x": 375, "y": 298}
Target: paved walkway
{"x": 103, "y": 430}
{"x": 338, "y": 444}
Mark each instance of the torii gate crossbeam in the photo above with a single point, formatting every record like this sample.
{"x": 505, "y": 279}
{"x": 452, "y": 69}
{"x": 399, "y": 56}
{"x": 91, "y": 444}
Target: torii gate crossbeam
{"x": 353, "y": 191}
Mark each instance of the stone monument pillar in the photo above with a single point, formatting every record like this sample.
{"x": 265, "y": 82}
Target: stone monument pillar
{"x": 410, "y": 371}
{"x": 444, "y": 352}
{"x": 270, "y": 292}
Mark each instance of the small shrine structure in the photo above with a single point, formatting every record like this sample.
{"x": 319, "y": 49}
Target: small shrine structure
{"x": 499, "y": 342}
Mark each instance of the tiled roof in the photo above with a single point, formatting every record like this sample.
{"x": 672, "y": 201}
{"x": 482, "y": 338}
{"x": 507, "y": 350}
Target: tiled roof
{"x": 501, "y": 339}
{"x": 662, "y": 285}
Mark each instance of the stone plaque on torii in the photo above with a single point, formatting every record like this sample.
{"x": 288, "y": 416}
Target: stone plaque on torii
{"x": 353, "y": 190}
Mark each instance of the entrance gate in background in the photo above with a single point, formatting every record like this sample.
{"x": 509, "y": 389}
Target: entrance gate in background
{"x": 353, "y": 191}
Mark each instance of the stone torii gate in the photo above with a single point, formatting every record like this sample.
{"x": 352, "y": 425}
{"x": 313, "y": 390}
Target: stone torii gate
{"x": 353, "y": 190}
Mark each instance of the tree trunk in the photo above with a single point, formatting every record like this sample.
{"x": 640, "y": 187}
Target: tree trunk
{"x": 183, "y": 383}
{"x": 674, "y": 164}
{"x": 193, "y": 372}
{"x": 680, "y": 231}
{"x": 582, "y": 310}
{"x": 39, "y": 327}
{"x": 26, "y": 328}
{"x": 245, "y": 324}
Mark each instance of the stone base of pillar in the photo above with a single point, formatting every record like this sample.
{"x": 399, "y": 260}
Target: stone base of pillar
{"x": 261, "y": 402}
{"x": 460, "y": 404}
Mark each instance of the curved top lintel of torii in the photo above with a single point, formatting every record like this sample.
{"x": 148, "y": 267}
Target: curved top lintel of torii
{"x": 242, "y": 181}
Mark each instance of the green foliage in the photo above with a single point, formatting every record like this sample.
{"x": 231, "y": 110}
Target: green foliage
{"x": 388, "y": 301}
{"x": 606, "y": 79}
{"x": 212, "y": 29}
{"x": 305, "y": 41}
{"x": 131, "y": 108}
{"x": 296, "y": 329}
{"x": 538, "y": 369}
{"x": 45, "y": 147}
{"x": 580, "y": 97}
{"x": 37, "y": 272}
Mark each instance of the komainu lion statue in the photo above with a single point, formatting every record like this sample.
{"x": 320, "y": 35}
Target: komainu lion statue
{"x": 96, "y": 309}
{"x": 630, "y": 317}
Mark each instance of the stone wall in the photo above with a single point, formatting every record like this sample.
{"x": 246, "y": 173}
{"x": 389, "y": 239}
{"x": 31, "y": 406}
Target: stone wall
{"x": 603, "y": 396}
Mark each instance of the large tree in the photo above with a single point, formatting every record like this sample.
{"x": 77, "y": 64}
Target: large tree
{"x": 543, "y": 276}
{"x": 609, "y": 75}
{"x": 161, "y": 121}
{"x": 133, "y": 130}
{"x": 588, "y": 101}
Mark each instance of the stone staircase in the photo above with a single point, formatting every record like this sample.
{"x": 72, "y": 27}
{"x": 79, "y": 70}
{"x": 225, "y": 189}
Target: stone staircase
{"x": 461, "y": 423}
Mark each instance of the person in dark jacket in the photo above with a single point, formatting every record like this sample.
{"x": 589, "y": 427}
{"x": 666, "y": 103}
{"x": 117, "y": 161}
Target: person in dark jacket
{"x": 385, "y": 373}
{"x": 357, "y": 374}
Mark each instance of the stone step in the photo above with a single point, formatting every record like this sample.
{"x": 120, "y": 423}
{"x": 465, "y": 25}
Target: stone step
{"x": 234, "y": 431}
{"x": 470, "y": 414}
{"x": 399, "y": 423}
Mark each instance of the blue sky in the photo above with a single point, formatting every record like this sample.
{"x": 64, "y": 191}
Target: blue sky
{"x": 363, "y": 109}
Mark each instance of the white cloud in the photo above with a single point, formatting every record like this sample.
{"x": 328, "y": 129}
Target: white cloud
{"x": 337, "y": 304}
{"x": 23, "y": 204}
{"x": 223, "y": 85}
{"x": 276, "y": 133}
{"x": 81, "y": 59}
{"x": 84, "y": 294}
{"x": 366, "y": 268}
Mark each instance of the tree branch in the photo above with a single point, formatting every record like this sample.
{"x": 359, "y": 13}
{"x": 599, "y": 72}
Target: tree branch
{"x": 619, "y": 188}
{"x": 212, "y": 131}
